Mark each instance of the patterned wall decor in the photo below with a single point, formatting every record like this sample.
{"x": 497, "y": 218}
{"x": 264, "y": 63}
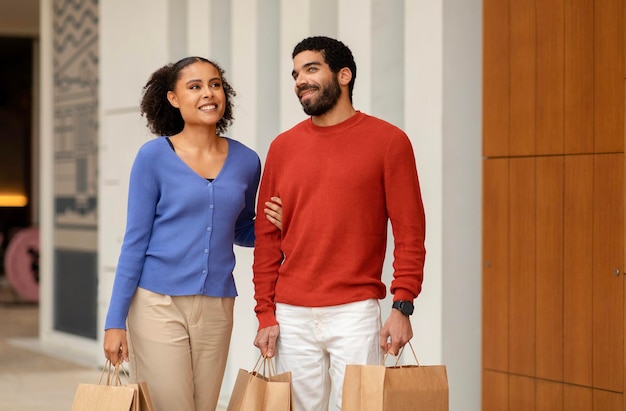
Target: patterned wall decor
{"x": 75, "y": 26}
{"x": 75, "y": 111}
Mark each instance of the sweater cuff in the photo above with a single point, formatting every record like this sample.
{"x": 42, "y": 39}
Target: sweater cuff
{"x": 266, "y": 320}
{"x": 403, "y": 295}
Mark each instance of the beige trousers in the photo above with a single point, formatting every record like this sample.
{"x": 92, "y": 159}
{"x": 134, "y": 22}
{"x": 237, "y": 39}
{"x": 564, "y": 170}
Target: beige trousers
{"x": 179, "y": 346}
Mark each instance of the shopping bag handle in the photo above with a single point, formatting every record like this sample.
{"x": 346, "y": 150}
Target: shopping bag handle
{"x": 397, "y": 364}
{"x": 264, "y": 366}
{"x": 113, "y": 374}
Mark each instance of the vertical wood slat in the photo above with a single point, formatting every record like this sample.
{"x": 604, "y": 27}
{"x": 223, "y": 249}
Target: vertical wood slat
{"x": 608, "y": 288}
{"x": 495, "y": 264}
{"x": 522, "y": 307}
{"x": 495, "y": 391}
{"x": 609, "y": 76}
{"x": 576, "y": 398}
{"x": 549, "y": 251}
{"x": 578, "y": 87}
{"x": 548, "y": 396}
{"x": 578, "y": 269}
{"x": 521, "y": 393}
{"x": 523, "y": 79}
{"x": 608, "y": 401}
{"x": 496, "y": 82}
{"x": 550, "y": 77}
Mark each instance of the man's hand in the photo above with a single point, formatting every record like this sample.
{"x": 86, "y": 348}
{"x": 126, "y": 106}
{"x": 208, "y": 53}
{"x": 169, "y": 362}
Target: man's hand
{"x": 266, "y": 340}
{"x": 115, "y": 345}
{"x": 396, "y": 332}
{"x": 274, "y": 212}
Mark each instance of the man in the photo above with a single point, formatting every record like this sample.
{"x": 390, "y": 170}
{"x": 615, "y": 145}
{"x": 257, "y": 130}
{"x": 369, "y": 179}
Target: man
{"x": 341, "y": 175}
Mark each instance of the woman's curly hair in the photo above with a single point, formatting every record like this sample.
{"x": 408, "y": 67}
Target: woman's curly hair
{"x": 165, "y": 119}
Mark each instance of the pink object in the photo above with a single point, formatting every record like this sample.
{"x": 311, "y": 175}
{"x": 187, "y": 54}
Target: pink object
{"x": 21, "y": 263}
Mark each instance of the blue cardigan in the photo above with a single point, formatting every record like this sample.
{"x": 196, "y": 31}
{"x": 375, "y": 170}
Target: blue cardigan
{"x": 181, "y": 228}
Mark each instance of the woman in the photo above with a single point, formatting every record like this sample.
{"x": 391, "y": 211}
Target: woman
{"x": 191, "y": 197}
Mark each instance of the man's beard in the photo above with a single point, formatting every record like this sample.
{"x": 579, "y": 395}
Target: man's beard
{"x": 326, "y": 100}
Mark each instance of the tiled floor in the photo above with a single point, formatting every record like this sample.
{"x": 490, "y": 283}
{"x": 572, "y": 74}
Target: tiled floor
{"x": 30, "y": 379}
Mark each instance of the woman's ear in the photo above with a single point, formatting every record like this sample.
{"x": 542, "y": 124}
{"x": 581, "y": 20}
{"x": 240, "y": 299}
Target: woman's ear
{"x": 171, "y": 97}
{"x": 345, "y": 76}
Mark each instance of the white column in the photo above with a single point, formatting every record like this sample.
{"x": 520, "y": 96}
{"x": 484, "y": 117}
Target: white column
{"x": 295, "y": 25}
{"x": 423, "y": 124}
{"x": 199, "y": 28}
{"x": 46, "y": 172}
{"x": 355, "y": 26}
{"x": 461, "y": 230}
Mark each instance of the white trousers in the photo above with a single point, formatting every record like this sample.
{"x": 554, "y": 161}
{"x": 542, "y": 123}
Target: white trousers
{"x": 316, "y": 343}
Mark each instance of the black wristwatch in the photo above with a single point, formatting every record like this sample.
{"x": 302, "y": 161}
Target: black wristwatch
{"x": 405, "y": 307}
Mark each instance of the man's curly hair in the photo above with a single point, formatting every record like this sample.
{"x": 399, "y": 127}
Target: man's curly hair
{"x": 165, "y": 119}
{"x": 336, "y": 54}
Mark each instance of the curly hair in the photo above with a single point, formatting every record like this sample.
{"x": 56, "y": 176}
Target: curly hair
{"x": 336, "y": 54}
{"x": 163, "y": 118}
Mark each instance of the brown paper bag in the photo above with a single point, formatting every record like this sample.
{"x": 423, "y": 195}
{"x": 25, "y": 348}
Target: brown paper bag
{"x": 397, "y": 388}
{"x": 109, "y": 396}
{"x": 262, "y": 389}
{"x": 145, "y": 401}
{"x": 112, "y": 395}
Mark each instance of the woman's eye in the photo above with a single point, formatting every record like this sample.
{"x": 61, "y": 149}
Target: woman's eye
{"x": 216, "y": 85}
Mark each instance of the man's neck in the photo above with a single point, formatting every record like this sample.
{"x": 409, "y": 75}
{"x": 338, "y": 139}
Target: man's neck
{"x": 341, "y": 112}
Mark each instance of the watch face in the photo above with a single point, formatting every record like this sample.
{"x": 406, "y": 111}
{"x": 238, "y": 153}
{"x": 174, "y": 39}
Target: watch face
{"x": 407, "y": 308}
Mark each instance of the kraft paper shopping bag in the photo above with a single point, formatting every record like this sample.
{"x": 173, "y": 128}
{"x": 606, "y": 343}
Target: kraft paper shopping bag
{"x": 261, "y": 389}
{"x": 112, "y": 394}
{"x": 396, "y": 388}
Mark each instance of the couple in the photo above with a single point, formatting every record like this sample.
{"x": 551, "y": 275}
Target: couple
{"x": 329, "y": 187}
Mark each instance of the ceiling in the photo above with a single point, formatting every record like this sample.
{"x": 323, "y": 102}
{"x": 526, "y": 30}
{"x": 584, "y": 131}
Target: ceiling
{"x": 19, "y": 18}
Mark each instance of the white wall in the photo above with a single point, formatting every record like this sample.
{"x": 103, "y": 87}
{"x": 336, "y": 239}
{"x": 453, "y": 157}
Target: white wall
{"x": 462, "y": 204}
{"x": 418, "y": 67}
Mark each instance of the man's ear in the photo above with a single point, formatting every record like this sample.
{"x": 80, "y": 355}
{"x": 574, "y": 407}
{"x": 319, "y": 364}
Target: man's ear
{"x": 344, "y": 76}
{"x": 171, "y": 97}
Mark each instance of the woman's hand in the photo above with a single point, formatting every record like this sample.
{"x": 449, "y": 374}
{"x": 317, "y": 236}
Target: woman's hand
{"x": 274, "y": 212}
{"x": 115, "y": 345}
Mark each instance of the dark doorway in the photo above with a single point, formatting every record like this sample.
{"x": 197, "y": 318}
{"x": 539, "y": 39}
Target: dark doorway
{"x": 16, "y": 112}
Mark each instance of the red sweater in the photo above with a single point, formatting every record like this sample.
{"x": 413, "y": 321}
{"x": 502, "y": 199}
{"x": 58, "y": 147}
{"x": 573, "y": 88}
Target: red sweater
{"x": 339, "y": 186}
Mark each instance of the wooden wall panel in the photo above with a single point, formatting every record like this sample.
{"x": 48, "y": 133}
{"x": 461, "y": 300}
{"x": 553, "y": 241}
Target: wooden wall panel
{"x": 522, "y": 221}
{"x": 521, "y": 393}
{"x": 549, "y": 251}
{"x": 495, "y": 391}
{"x": 553, "y": 204}
{"x": 550, "y": 77}
{"x": 608, "y": 78}
{"x": 495, "y": 78}
{"x": 577, "y": 398}
{"x": 495, "y": 313}
{"x": 608, "y": 401}
{"x": 608, "y": 280}
{"x": 578, "y": 269}
{"x": 578, "y": 87}
{"x": 549, "y": 396}
{"x": 523, "y": 80}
